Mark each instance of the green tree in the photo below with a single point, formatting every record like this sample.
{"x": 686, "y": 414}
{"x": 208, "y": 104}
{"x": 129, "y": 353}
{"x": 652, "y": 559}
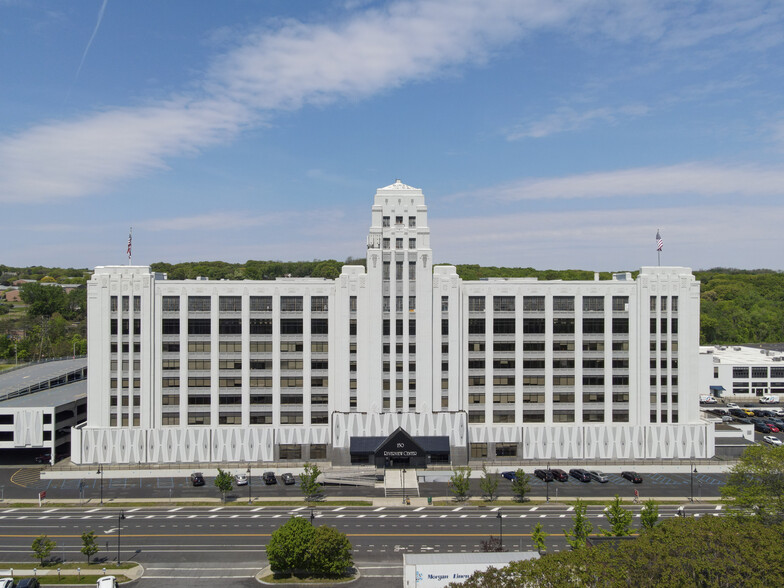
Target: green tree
{"x": 649, "y": 514}
{"x": 288, "y": 548}
{"x": 224, "y": 482}
{"x": 619, "y": 518}
{"x": 329, "y": 553}
{"x": 488, "y": 483}
{"x": 460, "y": 482}
{"x": 42, "y": 547}
{"x": 538, "y": 535}
{"x": 581, "y": 528}
{"x": 756, "y": 483}
{"x": 521, "y": 485}
{"x": 89, "y": 546}
{"x": 42, "y": 300}
{"x": 308, "y": 481}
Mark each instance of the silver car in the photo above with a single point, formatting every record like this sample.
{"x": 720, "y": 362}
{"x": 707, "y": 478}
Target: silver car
{"x": 598, "y": 476}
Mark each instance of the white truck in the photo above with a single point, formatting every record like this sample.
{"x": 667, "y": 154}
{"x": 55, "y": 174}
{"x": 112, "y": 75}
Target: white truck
{"x": 707, "y": 399}
{"x": 769, "y": 399}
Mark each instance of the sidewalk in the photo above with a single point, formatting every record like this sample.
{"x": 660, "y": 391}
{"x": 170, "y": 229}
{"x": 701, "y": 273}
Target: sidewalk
{"x": 133, "y": 573}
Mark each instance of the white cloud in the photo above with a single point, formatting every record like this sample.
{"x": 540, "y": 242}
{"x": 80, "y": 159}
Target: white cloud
{"x": 375, "y": 50}
{"x": 689, "y": 178}
{"x": 606, "y": 240}
{"x": 568, "y": 119}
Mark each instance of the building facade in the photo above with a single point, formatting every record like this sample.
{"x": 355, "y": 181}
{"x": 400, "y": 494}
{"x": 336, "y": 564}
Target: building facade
{"x": 741, "y": 372}
{"x": 294, "y": 369}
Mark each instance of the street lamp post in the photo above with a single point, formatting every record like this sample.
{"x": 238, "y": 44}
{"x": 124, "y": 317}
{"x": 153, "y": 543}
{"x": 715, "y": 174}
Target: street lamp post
{"x": 312, "y": 516}
{"x": 403, "y": 483}
{"x": 249, "y": 485}
{"x": 500, "y": 518}
{"x": 100, "y": 471}
{"x": 692, "y": 471}
{"x": 547, "y": 482}
{"x": 120, "y": 519}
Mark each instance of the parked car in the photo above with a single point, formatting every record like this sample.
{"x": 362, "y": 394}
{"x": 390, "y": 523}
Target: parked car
{"x": 544, "y": 475}
{"x": 28, "y": 583}
{"x": 748, "y": 411}
{"x": 726, "y": 418}
{"x": 7, "y": 583}
{"x": 580, "y": 474}
{"x": 43, "y": 458}
{"x": 559, "y": 475}
{"x": 732, "y": 405}
{"x": 771, "y": 440}
{"x": 762, "y": 428}
{"x": 269, "y": 478}
{"x": 197, "y": 479}
{"x": 241, "y": 480}
{"x": 633, "y": 477}
{"x": 288, "y": 479}
{"x": 773, "y": 428}
{"x": 106, "y": 582}
{"x": 509, "y": 476}
{"x": 599, "y": 476}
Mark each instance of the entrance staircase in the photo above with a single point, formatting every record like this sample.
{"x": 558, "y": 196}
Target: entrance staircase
{"x": 401, "y": 483}
{"x": 350, "y": 476}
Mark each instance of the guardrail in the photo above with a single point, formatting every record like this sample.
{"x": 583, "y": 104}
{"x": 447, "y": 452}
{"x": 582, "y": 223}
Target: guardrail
{"x": 61, "y": 380}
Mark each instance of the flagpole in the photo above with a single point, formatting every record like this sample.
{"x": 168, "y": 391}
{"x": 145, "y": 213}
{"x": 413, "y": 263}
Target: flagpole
{"x": 130, "y": 237}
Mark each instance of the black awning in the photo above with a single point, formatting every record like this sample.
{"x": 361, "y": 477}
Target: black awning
{"x": 366, "y": 445}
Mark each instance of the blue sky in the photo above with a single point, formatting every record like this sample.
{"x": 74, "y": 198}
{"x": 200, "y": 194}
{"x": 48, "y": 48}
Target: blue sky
{"x": 552, "y": 134}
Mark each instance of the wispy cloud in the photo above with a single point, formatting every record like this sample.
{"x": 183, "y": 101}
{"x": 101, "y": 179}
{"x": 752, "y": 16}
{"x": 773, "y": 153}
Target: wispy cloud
{"x": 293, "y": 64}
{"x": 567, "y": 118}
{"x": 92, "y": 37}
{"x": 691, "y": 178}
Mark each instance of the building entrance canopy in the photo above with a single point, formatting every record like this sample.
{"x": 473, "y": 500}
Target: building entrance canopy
{"x": 399, "y": 450}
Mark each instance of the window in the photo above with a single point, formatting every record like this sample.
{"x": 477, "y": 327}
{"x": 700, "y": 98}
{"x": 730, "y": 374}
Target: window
{"x": 230, "y": 326}
{"x": 503, "y": 345}
{"x": 444, "y": 326}
{"x": 759, "y": 372}
{"x": 593, "y": 326}
{"x": 204, "y": 364}
{"x": 412, "y": 221}
{"x": 199, "y": 303}
{"x": 620, "y": 325}
{"x": 291, "y": 303}
{"x": 478, "y": 450}
{"x": 319, "y": 303}
{"x": 563, "y": 325}
{"x": 532, "y": 326}
{"x": 199, "y": 326}
{"x": 476, "y": 326}
{"x": 476, "y": 303}
{"x": 533, "y": 364}
{"x": 398, "y": 270}
{"x": 412, "y": 270}
{"x": 740, "y": 372}
{"x": 503, "y": 303}
{"x": 319, "y": 326}
{"x": 291, "y": 326}
{"x": 475, "y": 416}
{"x": 444, "y": 303}
{"x": 653, "y": 309}
{"x": 260, "y": 326}
{"x": 620, "y": 303}
{"x": 230, "y": 303}
{"x": 593, "y": 303}
{"x": 502, "y": 325}
{"x": 261, "y": 303}
{"x": 290, "y": 451}
{"x": 533, "y": 303}
{"x": 171, "y": 303}
{"x": 169, "y": 326}
{"x": 352, "y": 304}
{"x": 412, "y": 243}
{"x": 398, "y": 220}
{"x": 505, "y": 449}
{"x": 563, "y": 303}
{"x": 399, "y": 243}
{"x": 199, "y": 347}
{"x": 384, "y": 221}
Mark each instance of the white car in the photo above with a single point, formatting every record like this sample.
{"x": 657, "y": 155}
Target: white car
{"x": 241, "y": 480}
{"x": 106, "y": 582}
{"x": 598, "y": 476}
{"x": 7, "y": 583}
{"x": 771, "y": 440}
{"x": 732, "y": 405}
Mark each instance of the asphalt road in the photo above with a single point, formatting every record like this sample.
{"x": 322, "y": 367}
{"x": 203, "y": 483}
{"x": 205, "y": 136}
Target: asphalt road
{"x": 198, "y": 545}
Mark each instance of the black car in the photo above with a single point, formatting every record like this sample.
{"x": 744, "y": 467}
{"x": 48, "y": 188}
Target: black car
{"x": 43, "y": 458}
{"x": 580, "y": 474}
{"x": 28, "y": 583}
{"x": 762, "y": 428}
{"x": 559, "y": 475}
{"x": 288, "y": 479}
{"x": 544, "y": 475}
{"x": 511, "y": 476}
{"x": 197, "y": 479}
{"x": 269, "y": 478}
{"x": 633, "y": 477}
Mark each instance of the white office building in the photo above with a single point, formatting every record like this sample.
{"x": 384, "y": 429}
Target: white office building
{"x": 399, "y": 363}
{"x": 741, "y": 372}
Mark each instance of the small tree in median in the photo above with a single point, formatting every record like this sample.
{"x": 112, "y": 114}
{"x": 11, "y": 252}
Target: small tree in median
{"x": 329, "y": 553}
{"x": 308, "y": 481}
{"x": 89, "y": 546}
{"x": 489, "y": 484}
{"x": 619, "y": 518}
{"x": 538, "y": 536}
{"x": 224, "y": 482}
{"x": 578, "y": 536}
{"x": 649, "y": 514}
{"x": 42, "y": 547}
{"x": 521, "y": 485}
{"x": 460, "y": 482}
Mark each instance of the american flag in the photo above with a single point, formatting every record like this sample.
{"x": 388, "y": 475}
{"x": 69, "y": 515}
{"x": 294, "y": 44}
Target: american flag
{"x": 130, "y": 233}
{"x": 659, "y": 242}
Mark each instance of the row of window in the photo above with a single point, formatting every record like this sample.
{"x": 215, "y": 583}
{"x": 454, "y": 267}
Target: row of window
{"x": 663, "y": 303}
{"x": 236, "y": 346}
{"x": 588, "y": 380}
{"x": 558, "y": 363}
{"x": 398, "y": 221}
{"x": 537, "y": 303}
{"x": 558, "y": 416}
{"x": 125, "y": 303}
{"x": 399, "y": 270}
{"x": 398, "y": 243}
{"x": 476, "y": 326}
{"x": 758, "y": 372}
{"x": 234, "y": 303}
{"x": 206, "y": 382}
{"x": 203, "y": 419}
{"x": 229, "y": 326}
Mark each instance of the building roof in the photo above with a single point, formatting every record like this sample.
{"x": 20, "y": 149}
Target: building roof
{"x": 18, "y": 379}
{"x": 737, "y": 354}
{"x": 49, "y": 398}
{"x": 490, "y": 557}
{"x": 398, "y": 185}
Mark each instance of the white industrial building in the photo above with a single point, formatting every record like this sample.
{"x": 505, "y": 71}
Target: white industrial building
{"x": 400, "y": 356}
{"x": 741, "y": 371}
